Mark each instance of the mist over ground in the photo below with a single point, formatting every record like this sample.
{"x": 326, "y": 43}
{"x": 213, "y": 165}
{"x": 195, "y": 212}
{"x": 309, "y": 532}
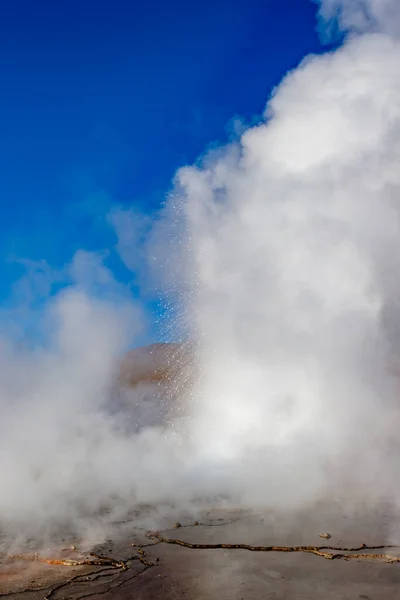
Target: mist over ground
{"x": 282, "y": 252}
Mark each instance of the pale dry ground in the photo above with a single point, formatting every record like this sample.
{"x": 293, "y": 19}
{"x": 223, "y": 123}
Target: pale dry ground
{"x": 169, "y": 572}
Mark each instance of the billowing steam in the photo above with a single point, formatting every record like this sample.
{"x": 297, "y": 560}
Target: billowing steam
{"x": 359, "y": 16}
{"x": 294, "y": 236}
{"x": 289, "y": 274}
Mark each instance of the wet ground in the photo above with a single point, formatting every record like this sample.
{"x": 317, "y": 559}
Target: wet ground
{"x": 137, "y": 567}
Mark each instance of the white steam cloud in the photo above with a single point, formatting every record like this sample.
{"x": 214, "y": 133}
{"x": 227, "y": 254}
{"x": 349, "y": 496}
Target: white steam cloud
{"x": 359, "y": 16}
{"x": 294, "y": 237}
{"x": 288, "y": 263}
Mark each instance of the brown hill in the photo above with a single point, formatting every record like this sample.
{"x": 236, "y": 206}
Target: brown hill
{"x": 157, "y": 363}
{"x": 155, "y": 382}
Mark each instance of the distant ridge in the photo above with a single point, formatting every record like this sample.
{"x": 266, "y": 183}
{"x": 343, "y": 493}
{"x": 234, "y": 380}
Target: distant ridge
{"x": 155, "y": 363}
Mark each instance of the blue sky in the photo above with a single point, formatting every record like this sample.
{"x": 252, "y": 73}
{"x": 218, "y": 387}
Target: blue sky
{"x": 102, "y": 101}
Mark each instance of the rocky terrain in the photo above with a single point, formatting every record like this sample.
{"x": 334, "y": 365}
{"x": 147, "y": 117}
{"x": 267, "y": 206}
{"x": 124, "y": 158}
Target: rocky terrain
{"x": 222, "y": 554}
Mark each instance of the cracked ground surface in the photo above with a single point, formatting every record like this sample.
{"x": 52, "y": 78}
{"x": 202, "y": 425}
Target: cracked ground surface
{"x": 133, "y": 564}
